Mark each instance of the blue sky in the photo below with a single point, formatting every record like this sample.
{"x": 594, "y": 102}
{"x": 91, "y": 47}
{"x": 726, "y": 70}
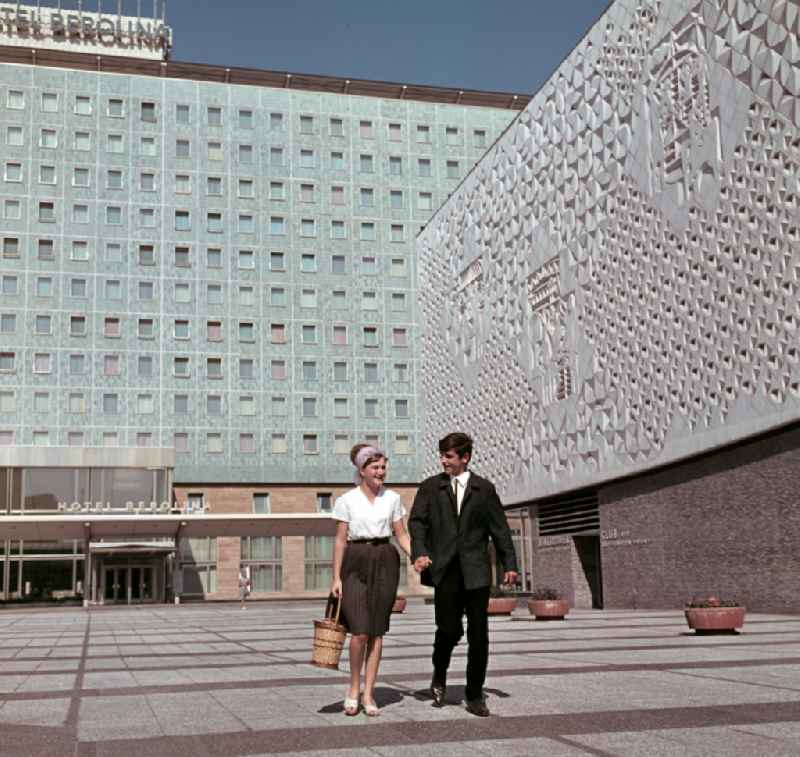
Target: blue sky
{"x": 507, "y": 45}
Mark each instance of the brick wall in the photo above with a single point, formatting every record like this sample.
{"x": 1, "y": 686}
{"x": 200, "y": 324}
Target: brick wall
{"x": 727, "y": 523}
{"x": 284, "y": 498}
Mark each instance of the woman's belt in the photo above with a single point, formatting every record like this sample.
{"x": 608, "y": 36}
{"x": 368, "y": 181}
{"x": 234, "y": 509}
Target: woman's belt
{"x": 382, "y": 540}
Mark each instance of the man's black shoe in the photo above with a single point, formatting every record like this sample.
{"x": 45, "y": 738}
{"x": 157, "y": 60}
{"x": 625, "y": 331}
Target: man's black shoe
{"x": 438, "y": 691}
{"x": 478, "y": 708}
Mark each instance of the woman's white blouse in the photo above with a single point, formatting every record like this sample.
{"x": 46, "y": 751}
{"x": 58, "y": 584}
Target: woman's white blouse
{"x": 365, "y": 519}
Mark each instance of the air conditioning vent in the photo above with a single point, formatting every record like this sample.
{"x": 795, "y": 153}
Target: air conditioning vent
{"x": 577, "y": 514}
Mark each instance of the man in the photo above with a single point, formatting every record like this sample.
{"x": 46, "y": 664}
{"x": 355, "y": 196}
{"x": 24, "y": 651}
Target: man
{"x": 453, "y": 516}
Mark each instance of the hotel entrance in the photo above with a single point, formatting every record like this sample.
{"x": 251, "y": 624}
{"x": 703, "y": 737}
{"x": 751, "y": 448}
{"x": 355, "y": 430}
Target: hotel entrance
{"x": 128, "y": 585}
{"x": 132, "y": 573}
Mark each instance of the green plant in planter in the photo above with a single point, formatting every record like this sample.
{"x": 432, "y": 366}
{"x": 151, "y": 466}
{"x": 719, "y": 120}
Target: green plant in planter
{"x": 546, "y": 592}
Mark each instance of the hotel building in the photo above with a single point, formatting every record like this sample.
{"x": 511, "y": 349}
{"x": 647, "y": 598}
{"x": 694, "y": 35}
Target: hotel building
{"x": 208, "y": 292}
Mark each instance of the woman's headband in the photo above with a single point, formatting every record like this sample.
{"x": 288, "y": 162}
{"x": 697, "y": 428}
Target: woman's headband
{"x": 364, "y": 454}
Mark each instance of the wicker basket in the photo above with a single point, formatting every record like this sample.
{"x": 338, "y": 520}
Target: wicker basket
{"x": 329, "y": 638}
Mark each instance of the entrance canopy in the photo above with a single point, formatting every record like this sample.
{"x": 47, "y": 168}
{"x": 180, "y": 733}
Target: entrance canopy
{"x": 129, "y": 528}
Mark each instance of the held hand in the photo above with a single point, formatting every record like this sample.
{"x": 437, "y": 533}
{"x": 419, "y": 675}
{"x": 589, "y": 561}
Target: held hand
{"x": 510, "y": 577}
{"x": 336, "y": 588}
{"x": 422, "y": 562}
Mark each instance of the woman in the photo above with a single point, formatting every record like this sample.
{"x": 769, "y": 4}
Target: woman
{"x": 366, "y": 567}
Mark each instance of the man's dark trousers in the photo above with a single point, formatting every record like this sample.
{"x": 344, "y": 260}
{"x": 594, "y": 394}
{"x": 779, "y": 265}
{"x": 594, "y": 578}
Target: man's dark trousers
{"x": 451, "y": 601}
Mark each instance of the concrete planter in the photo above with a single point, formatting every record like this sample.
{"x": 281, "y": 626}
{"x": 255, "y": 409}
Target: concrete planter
{"x": 501, "y": 605}
{"x": 399, "y": 604}
{"x": 548, "y": 609}
{"x": 715, "y": 619}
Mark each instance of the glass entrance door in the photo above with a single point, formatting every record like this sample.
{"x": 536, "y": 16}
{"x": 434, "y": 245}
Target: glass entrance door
{"x": 129, "y": 584}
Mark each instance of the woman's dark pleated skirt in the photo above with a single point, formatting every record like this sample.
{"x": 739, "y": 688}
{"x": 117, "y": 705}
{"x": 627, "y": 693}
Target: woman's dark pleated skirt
{"x": 370, "y": 574}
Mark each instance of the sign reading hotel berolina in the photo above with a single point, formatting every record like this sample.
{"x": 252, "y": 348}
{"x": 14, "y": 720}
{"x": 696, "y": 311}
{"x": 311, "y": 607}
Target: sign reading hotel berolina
{"x": 52, "y": 28}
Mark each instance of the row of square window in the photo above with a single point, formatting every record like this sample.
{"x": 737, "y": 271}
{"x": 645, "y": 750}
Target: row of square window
{"x": 246, "y": 223}
{"x": 247, "y": 330}
{"x": 145, "y": 404}
{"x": 43, "y": 363}
{"x": 214, "y": 443}
{"x": 182, "y": 258}
{"x": 307, "y": 192}
{"x": 308, "y": 124}
{"x": 183, "y": 184}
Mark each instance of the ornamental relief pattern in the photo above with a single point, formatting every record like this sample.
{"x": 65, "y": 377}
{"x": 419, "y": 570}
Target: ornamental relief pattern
{"x": 615, "y": 286}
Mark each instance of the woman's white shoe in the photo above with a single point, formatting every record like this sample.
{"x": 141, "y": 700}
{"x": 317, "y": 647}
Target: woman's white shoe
{"x": 350, "y": 706}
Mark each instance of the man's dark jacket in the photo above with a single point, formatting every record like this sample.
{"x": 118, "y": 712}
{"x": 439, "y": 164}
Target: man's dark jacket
{"x": 440, "y": 533}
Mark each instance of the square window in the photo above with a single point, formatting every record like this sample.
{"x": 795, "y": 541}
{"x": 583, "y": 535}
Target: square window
{"x": 148, "y": 112}
{"x": 425, "y": 201}
{"x": 310, "y": 444}
{"x": 183, "y": 184}
{"x": 402, "y": 444}
{"x": 451, "y": 135}
{"x": 45, "y": 249}
{"x": 338, "y": 264}
{"x": 147, "y": 182}
{"x": 369, "y": 301}
{"x": 41, "y": 438}
{"x": 181, "y": 329}
{"x": 15, "y": 99}
{"x": 80, "y": 177}
{"x": 214, "y": 294}
{"x": 247, "y": 404}
{"x": 214, "y": 331}
{"x": 424, "y": 167}
{"x": 7, "y": 362}
{"x": 308, "y": 334}
{"x": 279, "y": 446}
{"x": 277, "y": 225}
{"x": 340, "y": 371}
{"x": 308, "y": 262}
{"x": 371, "y": 373}
{"x": 12, "y": 210}
{"x": 10, "y": 247}
{"x": 182, "y": 220}
{"x": 77, "y": 403}
{"x": 277, "y": 332}
{"x": 245, "y": 118}
{"x": 370, "y": 336}
{"x": 308, "y": 298}
{"x": 261, "y": 503}
{"x": 276, "y": 121}
{"x": 341, "y": 444}
{"x": 49, "y": 102}
{"x": 112, "y": 328}
{"x": 401, "y": 408}
{"x": 47, "y": 212}
{"x": 400, "y": 337}
{"x": 113, "y": 289}
{"x": 278, "y": 370}
{"x": 147, "y": 254}
{"x": 146, "y": 290}
{"x": 247, "y": 368}
{"x": 452, "y": 169}
{"x": 247, "y": 331}
{"x": 247, "y": 259}
{"x": 367, "y": 197}
{"x": 337, "y": 161}
{"x": 369, "y": 265}
{"x": 396, "y": 199}
{"x": 277, "y": 297}
{"x": 397, "y": 232}
{"x": 370, "y": 408}
{"x": 9, "y": 284}
{"x": 398, "y": 302}
{"x": 13, "y": 172}
{"x": 278, "y": 406}
{"x": 41, "y": 402}
{"x": 146, "y": 328}
{"x": 44, "y": 286}
{"x": 47, "y": 174}
{"x": 8, "y": 323}
{"x": 116, "y": 108}
{"x": 214, "y": 367}
{"x": 245, "y": 155}
{"x": 148, "y": 146}
{"x": 309, "y": 369}
{"x": 115, "y": 144}
{"x": 306, "y": 124}
{"x": 214, "y": 185}
{"x": 366, "y": 130}
{"x": 144, "y": 439}
{"x": 247, "y": 443}
{"x": 214, "y": 223}
{"x": 145, "y": 404}
{"x": 309, "y": 407}
{"x": 214, "y": 444}
{"x": 78, "y": 288}
{"x": 8, "y": 402}
{"x": 340, "y": 334}
{"x": 180, "y": 441}
{"x": 42, "y": 362}
{"x": 307, "y": 158}
{"x": 42, "y": 324}
{"x": 366, "y": 163}
{"x": 336, "y": 127}
{"x": 395, "y": 166}
{"x": 77, "y": 325}
{"x": 246, "y": 188}
{"x": 276, "y": 156}
{"x": 308, "y": 227}
{"x": 395, "y": 132}
{"x": 423, "y": 134}
{"x": 111, "y": 365}
{"x": 247, "y": 223}
{"x": 400, "y": 372}
{"x": 367, "y": 233}
{"x": 182, "y": 148}
{"x": 180, "y": 404}
{"x": 15, "y": 137}
{"x": 77, "y": 365}
{"x": 338, "y": 230}
{"x": 277, "y": 261}
{"x": 114, "y": 179}
{"x": 479, "y": 138}
{"x": 183, "y": 257}
{"x": 82, "y": 140}
{"x": 214, "y": 115}
{"x": 214, "y": 257}
{"x": 114, "y": 215}
{"x": 182, "y": 114}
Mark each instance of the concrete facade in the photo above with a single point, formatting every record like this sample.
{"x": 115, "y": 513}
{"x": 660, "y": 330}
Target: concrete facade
{"x": 614, "y": 289}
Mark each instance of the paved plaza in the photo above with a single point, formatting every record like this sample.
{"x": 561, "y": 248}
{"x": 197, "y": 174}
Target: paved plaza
{"x": 215, "y": 680}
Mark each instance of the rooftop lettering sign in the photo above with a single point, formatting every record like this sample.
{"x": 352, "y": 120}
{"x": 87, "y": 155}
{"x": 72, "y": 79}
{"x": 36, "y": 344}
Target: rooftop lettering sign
{"x": 54, "y": 28}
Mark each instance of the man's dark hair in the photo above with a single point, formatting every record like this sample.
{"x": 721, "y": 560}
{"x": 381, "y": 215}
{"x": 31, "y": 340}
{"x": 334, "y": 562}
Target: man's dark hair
{"x": 461, "y": 443}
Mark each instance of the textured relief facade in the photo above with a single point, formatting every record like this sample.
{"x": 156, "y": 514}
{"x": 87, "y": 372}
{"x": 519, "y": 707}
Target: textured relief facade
{"x": 615, "y": 285}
